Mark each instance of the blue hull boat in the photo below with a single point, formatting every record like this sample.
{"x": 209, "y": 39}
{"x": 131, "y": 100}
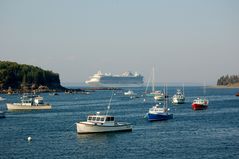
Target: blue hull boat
{"x": 159, "y": 117}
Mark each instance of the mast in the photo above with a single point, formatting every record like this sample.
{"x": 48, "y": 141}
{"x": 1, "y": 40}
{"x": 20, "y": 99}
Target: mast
{"x": 153, "y": 80}
{"x": 108, "y": 107}
{"x": 183, "y": 88}
{"x": 165, "y": 99}
{"x": 148, "y": 84}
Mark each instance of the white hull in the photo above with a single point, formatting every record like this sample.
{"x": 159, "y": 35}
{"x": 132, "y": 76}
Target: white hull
{"x": 15, "y": 106}
{"x": 159, "y": 98}
{"x": 178, "y": 101}
{"x": 98, "y": 84}
{"x": 83, "y": 128}
{"x": 130, "y": 94}
{"x": 1, "y": 99}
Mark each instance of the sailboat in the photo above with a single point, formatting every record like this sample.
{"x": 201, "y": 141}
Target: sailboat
{"x": 154, "y": 92}
{"x": 159, "y": 113}
{"x": 179, "y": 97}
{"x": 100, "y": 123}
{"x": 200, "y": 103}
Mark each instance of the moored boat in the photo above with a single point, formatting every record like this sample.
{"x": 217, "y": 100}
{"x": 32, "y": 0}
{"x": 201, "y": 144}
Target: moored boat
{"x": 200, "y": 104}
{"x": 101, "y": 123}
{"x": 53, "y": 94}
{"x": 130, "y": 93}
{"x": 159, "y": 113}
{"x": 29, "y": 102}
{"x": 237, "y": 94}
{"x": 178, "y": 98}
{"x": 1, "y": 99}
{"x": 159, "y": 96}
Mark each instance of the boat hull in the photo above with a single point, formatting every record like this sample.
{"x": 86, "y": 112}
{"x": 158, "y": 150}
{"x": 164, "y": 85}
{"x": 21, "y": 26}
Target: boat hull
{"x": 11, "y": 107}
{"x": 199, "y": 106}
{"x": 159, "y": 117}
{"x": 83, "y": 128}
{"x": 178, "y": 101}
{"x": 98, "y": 84}
{"x": 159, "y": 98}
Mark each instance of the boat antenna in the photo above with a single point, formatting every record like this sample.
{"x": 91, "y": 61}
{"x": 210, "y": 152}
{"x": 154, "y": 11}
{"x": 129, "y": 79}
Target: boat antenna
{"x": 108, "y": 107}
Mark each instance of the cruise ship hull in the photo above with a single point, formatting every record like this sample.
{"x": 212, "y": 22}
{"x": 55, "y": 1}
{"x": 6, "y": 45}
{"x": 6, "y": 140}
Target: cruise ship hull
{"x": 113, "y": 85}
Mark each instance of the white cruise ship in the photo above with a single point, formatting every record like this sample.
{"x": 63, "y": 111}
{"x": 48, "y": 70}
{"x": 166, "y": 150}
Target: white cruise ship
{"x": 127, "y": 79}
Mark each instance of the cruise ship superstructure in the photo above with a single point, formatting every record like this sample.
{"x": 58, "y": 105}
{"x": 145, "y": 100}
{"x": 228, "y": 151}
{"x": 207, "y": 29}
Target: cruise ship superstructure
{"x": 127, "y": 79}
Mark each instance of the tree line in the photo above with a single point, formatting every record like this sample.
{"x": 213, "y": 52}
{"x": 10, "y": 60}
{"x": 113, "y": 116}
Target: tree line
{"x": 226, "y": 80}
{"x": 16, "y": 76}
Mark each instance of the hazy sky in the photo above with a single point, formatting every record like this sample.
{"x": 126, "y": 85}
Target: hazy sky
{"x": 186, "y": 40}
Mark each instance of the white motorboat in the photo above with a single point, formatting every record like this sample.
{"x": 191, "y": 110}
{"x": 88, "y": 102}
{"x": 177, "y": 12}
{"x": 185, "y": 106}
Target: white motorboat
{"x": 178, "y": 98}
{"x": 29, "y": 102}
{"x": 1, "y": 99}
{"x": 160, "y": 96}
{"x": 130, "y": 93}
{"x": 102, "y": 123}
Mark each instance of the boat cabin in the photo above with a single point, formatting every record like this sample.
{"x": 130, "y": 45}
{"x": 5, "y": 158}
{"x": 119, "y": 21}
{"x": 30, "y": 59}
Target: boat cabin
{"x": 31, "y": 99}
{"x": 157, "y": 109}
{"x": 101, "y": 119}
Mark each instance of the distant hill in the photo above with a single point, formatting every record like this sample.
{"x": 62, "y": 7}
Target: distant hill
{"x": 17, "y": 76}
{"x": 232, "y": 81}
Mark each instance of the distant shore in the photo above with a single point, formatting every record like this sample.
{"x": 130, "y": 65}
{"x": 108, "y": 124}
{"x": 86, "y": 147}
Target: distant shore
{"x": 226, "y": 87}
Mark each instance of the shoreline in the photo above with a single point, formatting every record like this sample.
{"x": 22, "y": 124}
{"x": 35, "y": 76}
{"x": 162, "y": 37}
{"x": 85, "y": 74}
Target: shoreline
{"x": 224, "y": 87}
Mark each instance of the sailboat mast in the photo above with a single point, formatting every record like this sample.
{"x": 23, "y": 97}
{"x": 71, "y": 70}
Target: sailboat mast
{"x": 183, "y": 88}
{"x": 146, "y": 90}
{"x": 165, "y": 93}
{"x": 108, "y": 107}
{"x": 153, "y": 80}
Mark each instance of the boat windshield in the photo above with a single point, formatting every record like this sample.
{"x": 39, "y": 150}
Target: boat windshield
{"x": 110, "y": 119}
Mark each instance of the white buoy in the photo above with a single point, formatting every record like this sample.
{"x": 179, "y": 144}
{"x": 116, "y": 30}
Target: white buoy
{"x": 29, "y": 138}
{"x": 144, "y": 100}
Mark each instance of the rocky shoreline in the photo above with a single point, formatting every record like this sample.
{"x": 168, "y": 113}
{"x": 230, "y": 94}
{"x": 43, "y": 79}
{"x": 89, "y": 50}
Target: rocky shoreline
{"x": 236, "y": 85}
{"x": 45, "y": 89}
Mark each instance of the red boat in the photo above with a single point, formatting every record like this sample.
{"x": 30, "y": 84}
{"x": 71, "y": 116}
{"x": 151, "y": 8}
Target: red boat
{"x": 237, "y": 94}
{"x": 200, "y": 104}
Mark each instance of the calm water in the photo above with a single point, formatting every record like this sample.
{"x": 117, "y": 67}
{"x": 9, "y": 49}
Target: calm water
{"x": 211, "y": 133}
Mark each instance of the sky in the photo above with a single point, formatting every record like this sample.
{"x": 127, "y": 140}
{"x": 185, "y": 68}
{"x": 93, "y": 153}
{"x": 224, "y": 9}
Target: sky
{"x": 187, "y": 41}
